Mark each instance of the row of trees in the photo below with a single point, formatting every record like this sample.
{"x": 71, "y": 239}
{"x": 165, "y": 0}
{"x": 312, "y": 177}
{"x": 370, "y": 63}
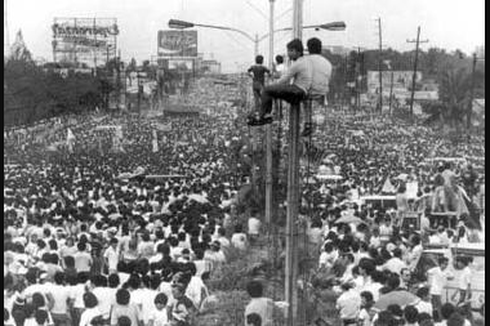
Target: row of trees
{"x": 452, "y": 71}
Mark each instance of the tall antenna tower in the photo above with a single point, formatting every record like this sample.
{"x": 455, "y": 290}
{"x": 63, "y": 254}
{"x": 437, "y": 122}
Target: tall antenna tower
{"x": 6, "y": 45}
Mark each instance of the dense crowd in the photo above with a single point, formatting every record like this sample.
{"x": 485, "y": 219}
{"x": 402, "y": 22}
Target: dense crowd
{"x": 85, "y": 246}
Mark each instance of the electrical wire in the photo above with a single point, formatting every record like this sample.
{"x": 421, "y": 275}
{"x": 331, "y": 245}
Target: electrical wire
{"x": 260, "y": 12}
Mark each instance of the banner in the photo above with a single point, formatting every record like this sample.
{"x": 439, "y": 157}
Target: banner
{"x": 89, "y": 41}
{"x": 164, "y": 127}
{"x": 154, "y": 142}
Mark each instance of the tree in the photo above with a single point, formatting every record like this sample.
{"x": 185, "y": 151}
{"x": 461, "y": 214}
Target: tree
{"x": 454, "y": 92}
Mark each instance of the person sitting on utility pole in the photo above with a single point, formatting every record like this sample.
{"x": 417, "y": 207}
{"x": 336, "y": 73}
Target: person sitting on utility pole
{"x": 257, "y": 72}
{"x": 301, "y": 75}
{"x": 321, "y": 73}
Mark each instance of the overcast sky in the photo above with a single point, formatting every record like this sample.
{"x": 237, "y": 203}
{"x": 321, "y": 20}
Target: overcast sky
{"x": 449, "y": 24}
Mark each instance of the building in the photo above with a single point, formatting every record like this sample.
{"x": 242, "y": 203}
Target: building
{"x": 340, "y": 50}
{"x": 210, "y": 67}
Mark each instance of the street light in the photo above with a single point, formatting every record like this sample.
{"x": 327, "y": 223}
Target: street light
{"x": 180, "y": 24}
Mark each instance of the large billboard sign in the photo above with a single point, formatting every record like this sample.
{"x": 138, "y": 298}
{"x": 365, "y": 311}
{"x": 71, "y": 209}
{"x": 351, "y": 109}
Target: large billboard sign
{"x": 89, "y": 41}
{"x": 177, "y": 43}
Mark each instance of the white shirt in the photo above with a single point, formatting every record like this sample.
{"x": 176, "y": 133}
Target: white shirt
{"x": 264, "y": 307}
{"x": 159, "y": 317}
{"x": 239, "y": 241}
{"x": 423, "y": 306}
{"x": 60, "y": 295}
{"x": 253, "y": 226}
{"x": 465, "y": 279}
{"x": 112, "y": 256}
{"x": 77, "y": 292}
{"x": 328, "y": 259}
{"x": 106, "y": 297}
{"x": 145, "y": 300}
{"x": 349, "y": 304}
{"x": 88, "y": 315}
{"x": 365, "y": 318}
{"x": 394, "y": 265}
{"x": 195, "y": 291}
{"x": 321, "y": 73}
{"x": 437, "y": 280}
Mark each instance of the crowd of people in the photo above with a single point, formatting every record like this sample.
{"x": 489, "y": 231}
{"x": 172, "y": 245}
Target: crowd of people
{"x": 85, "y": 246}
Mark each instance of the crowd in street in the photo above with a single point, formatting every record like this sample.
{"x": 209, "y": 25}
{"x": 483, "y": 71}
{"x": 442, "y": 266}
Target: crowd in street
{"x": 85, "y": 246}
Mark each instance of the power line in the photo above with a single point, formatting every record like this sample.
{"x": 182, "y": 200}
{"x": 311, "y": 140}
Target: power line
{"x": 283, "y": 14}
{"x": 260, "y": 12}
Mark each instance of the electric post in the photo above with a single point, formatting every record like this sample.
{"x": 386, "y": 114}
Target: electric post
{"x": 293, "y": 191}
{"x": 269, "y": 183}
{"x": 417, "y": 43}
{"x": 380, "y": 60}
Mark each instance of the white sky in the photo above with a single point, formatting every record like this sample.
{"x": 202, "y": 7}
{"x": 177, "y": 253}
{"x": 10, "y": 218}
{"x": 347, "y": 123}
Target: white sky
{"x": 450, "y": 24}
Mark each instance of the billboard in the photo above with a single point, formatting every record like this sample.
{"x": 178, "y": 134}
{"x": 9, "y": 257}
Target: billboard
{"x": 84, "y": 41}
{"x": 177, "y": 43}
{"x": 401, "y": 80}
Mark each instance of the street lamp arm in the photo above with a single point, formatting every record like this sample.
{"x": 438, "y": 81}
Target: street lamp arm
{"x": 228, "y": 29}
{"x": 336, "y": 26}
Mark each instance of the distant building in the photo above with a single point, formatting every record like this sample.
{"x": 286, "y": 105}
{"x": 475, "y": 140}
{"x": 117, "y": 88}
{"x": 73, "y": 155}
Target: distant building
{"x": 211, "y": 66}
{"x": 480, "y": 51}
{"x": 340, "y": 50}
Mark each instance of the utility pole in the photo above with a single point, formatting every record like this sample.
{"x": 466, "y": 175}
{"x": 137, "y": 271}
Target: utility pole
{"x": 357, "y": 80}
{"x": 380, "y": 60}
{"x": 293, "y": 192}
{"x": 472, "y": 92}
{"x": 417, "y": 43}
{"x": 268, "y": 182}
{"x": 391, "y": 89}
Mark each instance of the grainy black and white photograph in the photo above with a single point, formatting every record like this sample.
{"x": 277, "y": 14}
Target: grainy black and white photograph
{"x": 244, "y": 163}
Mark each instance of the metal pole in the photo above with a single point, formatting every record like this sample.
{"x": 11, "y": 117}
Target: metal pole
{"x": 268, "y": 182}
{"x": 380, "y": 66}
{"x": 412, "y": 95}
{"x": 391, "y": 89}
{"x": 293, "y": 191}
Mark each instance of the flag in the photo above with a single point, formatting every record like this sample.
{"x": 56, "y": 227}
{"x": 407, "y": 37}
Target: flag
{"x": 388, "y": 187}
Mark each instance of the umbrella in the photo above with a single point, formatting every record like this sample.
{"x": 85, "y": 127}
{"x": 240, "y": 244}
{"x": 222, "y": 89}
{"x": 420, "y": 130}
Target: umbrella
{"x": 198, "y": 198}
{"x": 401, "y": 298}
{"x": 402, "y": 176}
{"x": 349, "y": 219}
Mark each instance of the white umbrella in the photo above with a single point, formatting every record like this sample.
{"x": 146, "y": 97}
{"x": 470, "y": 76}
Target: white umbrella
{"x": 402, "y": 176}
{"x": 199, "y": 198}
